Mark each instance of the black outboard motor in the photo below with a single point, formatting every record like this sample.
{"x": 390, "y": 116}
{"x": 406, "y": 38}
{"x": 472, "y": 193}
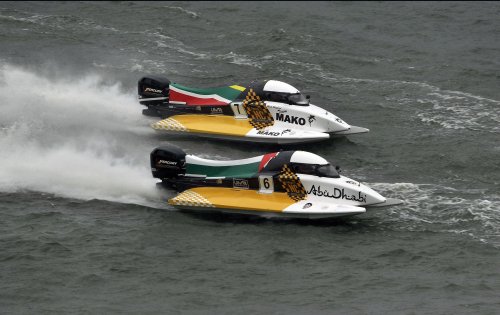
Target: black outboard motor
{"x": 168, "y": 161}
{"x": 153, "y": 92}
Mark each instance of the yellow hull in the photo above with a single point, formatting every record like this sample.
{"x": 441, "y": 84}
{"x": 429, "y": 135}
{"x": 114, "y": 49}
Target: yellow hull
{"x": 209, "y": 124}
{"x": 231, "y": 198}
{"x": 244, "y": 201}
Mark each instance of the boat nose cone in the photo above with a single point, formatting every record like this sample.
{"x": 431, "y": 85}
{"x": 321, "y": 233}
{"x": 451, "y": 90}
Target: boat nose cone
{"x": 335, "y": 124}
{"x": 373, "y": 197}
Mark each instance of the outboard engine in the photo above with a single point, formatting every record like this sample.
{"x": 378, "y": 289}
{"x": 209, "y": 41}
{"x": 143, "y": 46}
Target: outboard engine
{"x": 168, "y": 161}
{"x": 153, "y": 92}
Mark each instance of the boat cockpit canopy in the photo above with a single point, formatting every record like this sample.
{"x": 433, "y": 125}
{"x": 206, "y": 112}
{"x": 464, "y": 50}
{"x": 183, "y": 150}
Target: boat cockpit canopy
{"x": 326, "y": 170}
{"x": 288, "y": 98}
{"x": 277, "y": 91}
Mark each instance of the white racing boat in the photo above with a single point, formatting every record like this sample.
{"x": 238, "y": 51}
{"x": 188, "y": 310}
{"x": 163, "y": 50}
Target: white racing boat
{"x": 295, "y": 184}
{"x": 263, "y": 111}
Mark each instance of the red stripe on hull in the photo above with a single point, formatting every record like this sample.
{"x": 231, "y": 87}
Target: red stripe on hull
{"x": 265, "y": 159}
{"x": 192, "y": 100}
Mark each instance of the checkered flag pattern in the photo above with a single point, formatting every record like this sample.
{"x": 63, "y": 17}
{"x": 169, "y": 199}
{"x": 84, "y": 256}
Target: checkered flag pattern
{"x": 168, "y": 124}
{"x": 192, "y": 199}
{"x": 257, "y": 111}
{"x": 291, "y": 184}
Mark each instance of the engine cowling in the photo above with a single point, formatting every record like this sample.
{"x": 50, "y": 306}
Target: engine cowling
{"x": 153, "y": 90}
{"x": 168, "y": 161}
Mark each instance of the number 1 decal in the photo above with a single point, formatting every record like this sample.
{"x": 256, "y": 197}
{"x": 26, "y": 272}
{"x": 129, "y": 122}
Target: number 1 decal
{"x": 238, "y": 110}
{"x": 266, "y": 184}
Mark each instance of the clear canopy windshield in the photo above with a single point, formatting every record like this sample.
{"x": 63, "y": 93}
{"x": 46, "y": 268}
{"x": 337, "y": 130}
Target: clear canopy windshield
{"x": 298, "y": 99}
{"x": 326, "y": 170}
{"x": 292, "y": 99}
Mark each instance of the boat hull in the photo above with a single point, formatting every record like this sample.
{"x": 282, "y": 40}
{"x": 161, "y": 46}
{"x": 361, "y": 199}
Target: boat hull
{"x": 253, "y": 202}
{"x": 229, "y": 128}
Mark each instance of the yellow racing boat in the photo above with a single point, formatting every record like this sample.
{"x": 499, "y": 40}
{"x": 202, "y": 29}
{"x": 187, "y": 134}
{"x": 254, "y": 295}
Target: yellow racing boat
{"x": 261, "y": 111}
{"x": 286, "y": 184}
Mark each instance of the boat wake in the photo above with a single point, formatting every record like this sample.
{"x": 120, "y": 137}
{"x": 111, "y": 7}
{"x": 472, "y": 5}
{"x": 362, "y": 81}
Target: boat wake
{"x": 436, "y": 208}
{"x": 76, "y": 138}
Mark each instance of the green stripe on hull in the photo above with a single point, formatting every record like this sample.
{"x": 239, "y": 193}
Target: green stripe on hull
{"x": 243, "y": 171}
{"x": 226, "y": 91}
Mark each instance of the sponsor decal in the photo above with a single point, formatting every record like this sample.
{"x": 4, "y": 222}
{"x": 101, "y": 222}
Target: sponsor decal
{"x": 337, "y": 194}
{"x": 218, "y": 181}
{"x": 165, "y": 162}
{"x": 152, "y": 90}
{"x": 286, "y": 131}
{"x": 352, "y": 182}
{"x": 311, "y": 119}
{"x": 268, "y": 133}
{"x": 215, "y": 110}
{"x": 291, "y": 183}
{"x": 307, "y": 205}
{"x": 291, "y": 119}
{"x": 240, "y": 183}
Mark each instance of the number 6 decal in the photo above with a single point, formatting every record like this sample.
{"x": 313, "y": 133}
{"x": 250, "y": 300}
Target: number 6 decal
{"x": 266, "y": 184}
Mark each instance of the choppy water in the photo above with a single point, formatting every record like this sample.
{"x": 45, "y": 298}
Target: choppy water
{"x": 84, "y": 230}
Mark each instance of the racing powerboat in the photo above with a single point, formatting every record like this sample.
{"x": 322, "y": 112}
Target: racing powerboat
{"x": 263, "y": 111}
{"x": 287, "y": 184}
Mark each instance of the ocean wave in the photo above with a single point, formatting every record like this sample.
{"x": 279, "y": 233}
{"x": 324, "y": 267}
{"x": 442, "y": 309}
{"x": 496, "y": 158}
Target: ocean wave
{"x": 59, "y": 22}
{"x": 32, "y": 19}
{"x": 165, "y": 42}
{"x": 430, "y": 207}
{"x": 306, "y": 65}
{"x": 143, "y": 65}
{"x": 191, "y": 14}
{"x": 163, "y": 39}
{"x": 238, "y": 59}
{"x": 460, "y": 112}
{"x": 447, "y": 108}
{"x": 168, "y": 43}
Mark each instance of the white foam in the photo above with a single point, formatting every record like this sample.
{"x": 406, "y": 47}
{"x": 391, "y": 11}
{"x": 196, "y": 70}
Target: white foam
{"x": 450, "y": 109}
{"x": 71, "y": 137}
{"x": 191, "y": 14}
{"x": 30, "y": 19}
{"x": 434, "y": 207}
{"x": 238, "y": 59}
{"x": 57, "y": 21}
{"x": 70, "y": 171}
{"x": 67, "y": 101}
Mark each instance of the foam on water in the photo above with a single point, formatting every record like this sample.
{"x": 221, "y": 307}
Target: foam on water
{"x": 429, "y": 207}
{"x": 55, "y": 21}
{"x": 70, "y": 137}
{"x": 191, "y": 14}
{"x": 433, "y": 105}
{"x": 238, "y": 59}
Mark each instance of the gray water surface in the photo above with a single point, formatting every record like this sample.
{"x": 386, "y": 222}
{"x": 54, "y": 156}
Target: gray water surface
{"x": 83, "y": 228}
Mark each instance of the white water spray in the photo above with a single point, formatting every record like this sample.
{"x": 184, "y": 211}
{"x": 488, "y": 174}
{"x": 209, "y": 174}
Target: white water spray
{"x": 73, "y": 138}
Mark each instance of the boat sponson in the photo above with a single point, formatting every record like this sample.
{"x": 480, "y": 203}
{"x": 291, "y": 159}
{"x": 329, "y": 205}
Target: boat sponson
{"x": 253, "y": 201}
